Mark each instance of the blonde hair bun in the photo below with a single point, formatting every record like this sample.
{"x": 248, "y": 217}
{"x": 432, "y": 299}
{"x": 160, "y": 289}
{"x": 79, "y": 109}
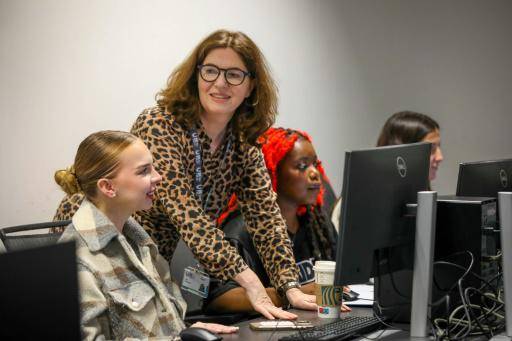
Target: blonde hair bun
{"x": 67, "y": 180}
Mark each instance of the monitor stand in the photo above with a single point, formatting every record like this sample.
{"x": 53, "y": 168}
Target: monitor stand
{"x": 423, "y": 262}
{"x": 505, "y": 211}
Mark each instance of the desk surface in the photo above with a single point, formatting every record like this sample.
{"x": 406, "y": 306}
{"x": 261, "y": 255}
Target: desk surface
{"x": 395, "y": 334}
{"x": 246, "y": 334}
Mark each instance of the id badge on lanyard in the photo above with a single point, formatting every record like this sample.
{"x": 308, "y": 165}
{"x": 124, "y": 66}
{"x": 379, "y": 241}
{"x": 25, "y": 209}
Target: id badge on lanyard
{"x": 195, "y": 281}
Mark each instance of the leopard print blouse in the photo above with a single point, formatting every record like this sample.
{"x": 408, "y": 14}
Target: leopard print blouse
{"x": 177, "y": 213}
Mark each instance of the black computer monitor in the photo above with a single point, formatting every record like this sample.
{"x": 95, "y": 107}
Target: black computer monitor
{"x": 484, "y": 178}
{"x": 39, "y": 294}
{"x": 377, "y": 232}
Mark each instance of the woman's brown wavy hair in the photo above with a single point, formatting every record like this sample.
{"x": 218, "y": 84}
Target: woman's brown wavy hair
{"x": 255, "y": 115}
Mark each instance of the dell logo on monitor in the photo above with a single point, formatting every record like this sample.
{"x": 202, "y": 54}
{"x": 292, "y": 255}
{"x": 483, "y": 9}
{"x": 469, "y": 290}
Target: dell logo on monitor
{"x": 401, "y": 166}
{"x": 503, "y": 178}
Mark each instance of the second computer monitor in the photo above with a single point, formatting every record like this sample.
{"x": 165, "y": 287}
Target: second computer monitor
{"x": 484, "y": 178}
{"x": 375, "y": 225}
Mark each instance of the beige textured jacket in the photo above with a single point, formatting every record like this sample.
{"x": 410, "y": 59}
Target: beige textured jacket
{"x": 125, "y": 285}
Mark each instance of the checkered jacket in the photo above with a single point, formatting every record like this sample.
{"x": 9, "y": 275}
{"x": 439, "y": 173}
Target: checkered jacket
{"x": 125, "y": 285}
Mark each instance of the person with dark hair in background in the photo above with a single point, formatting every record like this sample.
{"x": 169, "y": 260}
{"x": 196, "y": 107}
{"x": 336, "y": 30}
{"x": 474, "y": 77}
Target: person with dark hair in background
{"x": 126, "y": 289}
{"x": 411, "y": 127}
{"x": 297, "y": 178}
{"x": 203, "y": 136}
{"x": 408, "y": 127}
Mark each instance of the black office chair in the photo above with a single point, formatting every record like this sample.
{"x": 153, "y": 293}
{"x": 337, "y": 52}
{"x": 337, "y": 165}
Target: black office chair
{"x": 2, "y": 247}
{"x": 13, "y": 241}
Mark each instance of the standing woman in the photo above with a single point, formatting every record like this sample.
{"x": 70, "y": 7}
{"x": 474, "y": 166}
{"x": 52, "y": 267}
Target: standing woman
{"x": 203, "y": 136}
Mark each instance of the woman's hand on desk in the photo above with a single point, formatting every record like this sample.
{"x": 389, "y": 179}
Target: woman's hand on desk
{"x": 259, "y": 298}
{"x": 300, "y": 300}
{"x": 216, "y": 328}
{"x": 262, "y": 303}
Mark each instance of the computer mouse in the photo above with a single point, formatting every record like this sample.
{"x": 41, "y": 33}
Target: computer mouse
{"x": 198, "y": 334}
{"x": 350, "y": 296}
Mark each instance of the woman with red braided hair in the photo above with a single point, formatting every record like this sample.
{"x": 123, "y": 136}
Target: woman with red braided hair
{"x": 297, "y": 177}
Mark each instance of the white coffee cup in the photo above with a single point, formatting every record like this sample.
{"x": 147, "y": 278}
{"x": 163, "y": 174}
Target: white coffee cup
{"x": 328, "y": 296}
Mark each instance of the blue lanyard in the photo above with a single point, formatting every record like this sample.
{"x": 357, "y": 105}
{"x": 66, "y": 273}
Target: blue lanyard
{"x": 198, "y": 161}
{"x": 198, "y": 172}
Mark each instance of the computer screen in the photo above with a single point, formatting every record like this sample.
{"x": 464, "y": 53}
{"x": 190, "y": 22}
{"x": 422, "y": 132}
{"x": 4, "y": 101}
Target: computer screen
{"x": 376, "y": 231}
{"x": 484, "y": 178}
{"x": 39, "y": 294}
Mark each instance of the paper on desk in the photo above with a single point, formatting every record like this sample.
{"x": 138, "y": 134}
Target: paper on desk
{"x": 365, "y": 298}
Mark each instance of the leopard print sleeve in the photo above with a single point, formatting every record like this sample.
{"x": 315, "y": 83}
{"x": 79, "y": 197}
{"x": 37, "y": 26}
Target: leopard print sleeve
{"x": 167, "y": 140}
{"x": 264, "y": 221}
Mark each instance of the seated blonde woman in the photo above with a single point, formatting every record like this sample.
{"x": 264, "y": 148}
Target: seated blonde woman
{"x": 125, "y": 286}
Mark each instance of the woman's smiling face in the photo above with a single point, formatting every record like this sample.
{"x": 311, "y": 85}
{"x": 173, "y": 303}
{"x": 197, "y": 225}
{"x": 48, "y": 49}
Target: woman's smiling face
{"x": 136, "y": 179}
{"x": 219, "y": 97}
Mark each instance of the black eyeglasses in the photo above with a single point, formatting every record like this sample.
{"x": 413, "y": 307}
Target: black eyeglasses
{"x": 234, "y": 76}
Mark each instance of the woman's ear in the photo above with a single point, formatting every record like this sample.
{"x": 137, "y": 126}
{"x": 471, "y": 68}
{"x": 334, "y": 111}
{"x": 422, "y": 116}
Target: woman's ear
{"x": 106, "y": 187}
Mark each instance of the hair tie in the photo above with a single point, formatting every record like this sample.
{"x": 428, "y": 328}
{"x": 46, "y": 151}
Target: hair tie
{"x": 76, "y": 182}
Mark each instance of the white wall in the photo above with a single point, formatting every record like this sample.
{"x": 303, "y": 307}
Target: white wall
{"x": 68, "y": 68}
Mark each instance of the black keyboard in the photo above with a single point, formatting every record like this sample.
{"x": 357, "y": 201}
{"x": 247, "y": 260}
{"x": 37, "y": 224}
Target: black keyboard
{"x": 345, "y": 328}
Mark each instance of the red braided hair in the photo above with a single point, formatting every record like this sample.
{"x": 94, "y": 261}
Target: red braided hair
{"x": 276, "y": 143}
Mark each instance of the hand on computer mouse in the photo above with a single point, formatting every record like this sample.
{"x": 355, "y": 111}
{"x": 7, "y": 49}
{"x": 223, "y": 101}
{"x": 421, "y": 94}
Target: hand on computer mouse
{"x": 216, "y": 328}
